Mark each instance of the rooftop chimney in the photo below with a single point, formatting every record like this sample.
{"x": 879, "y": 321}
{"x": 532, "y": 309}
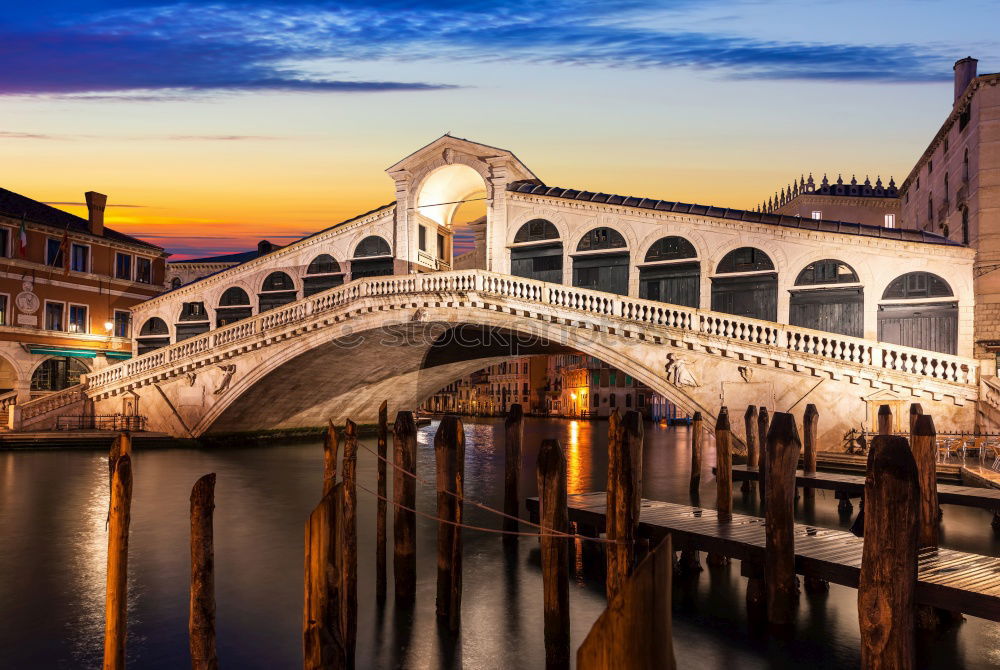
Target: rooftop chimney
{"x": 95, "y": 211}
{"x": 965, "y": 71}
{"x": 264, "y": 247}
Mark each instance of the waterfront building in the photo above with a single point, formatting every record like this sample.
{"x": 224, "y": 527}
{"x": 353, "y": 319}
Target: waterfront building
{"x": 875, "y": 204}
{"x": 494, "y": 389}
{"x": 954, "y": 190}
{"x": 186, "y": 271}
{"x": 66, "y": 287}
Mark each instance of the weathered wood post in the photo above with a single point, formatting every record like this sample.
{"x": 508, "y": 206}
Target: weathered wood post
{"x": 750, "y": 428}
{"x": 697, "y": 444}
{"x": 383, "y": 440}
{"x": 763, "y": 423}
{"x": 783, "y": 447}
{"x": 888, "y": 578}
{"x": 624, "y": 496}
{"x": 349, "y": 569}
{"x": 723, "y": 476}
{"x": 924, "y": 447}
{"x": 330, "y": 448}
{"x": 404, "y": 493}
{"x": 810, "y": 426}
{"x": 116, "y": 600}
{"x": 884, "y": 420}
{"x": 635, "y": 630}
{"x": 513, "y": 435}
{"x": 916, "y": 409}
{"x": 449, "y": 453}
{"x": 201, "y": 618}
{"x": 554, "y": 518}
{"x": 322, "y": 636}
{"x": 121, "y": 446}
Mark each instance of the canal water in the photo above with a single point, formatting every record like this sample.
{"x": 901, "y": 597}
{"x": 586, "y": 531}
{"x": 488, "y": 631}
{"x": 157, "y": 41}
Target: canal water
{"x": 53, "y": 506}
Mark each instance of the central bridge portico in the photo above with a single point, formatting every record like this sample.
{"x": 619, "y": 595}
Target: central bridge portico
{"x": 693, "y": 301}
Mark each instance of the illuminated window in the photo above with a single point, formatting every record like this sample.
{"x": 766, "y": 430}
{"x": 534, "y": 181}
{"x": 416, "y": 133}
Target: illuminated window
{"x": 817, "y": 214}
{"x": 890, "y": 220}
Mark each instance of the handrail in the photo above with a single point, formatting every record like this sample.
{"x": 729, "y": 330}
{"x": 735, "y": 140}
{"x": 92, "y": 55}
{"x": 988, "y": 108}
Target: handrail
{"x": 53, "y": 401}
{"x": 793, "y": 339}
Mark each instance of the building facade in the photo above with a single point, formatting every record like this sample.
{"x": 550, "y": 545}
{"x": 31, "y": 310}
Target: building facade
{"x": 492, "y": 390}
{"x": 870, "y": 204}
{"x": 954, "y": 190}
{"x": 67, "y": 285}
{"x": 186, "y": 271}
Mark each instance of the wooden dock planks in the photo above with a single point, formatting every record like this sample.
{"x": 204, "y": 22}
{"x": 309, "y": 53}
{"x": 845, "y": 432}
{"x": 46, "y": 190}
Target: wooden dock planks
{"x": 854, "y": 485}
{"x": 947, "y": 579}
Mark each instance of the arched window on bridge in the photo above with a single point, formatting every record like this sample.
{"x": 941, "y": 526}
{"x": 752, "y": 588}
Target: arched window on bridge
{"x": 670, "y": 274}
{"x": 746, "y": 285}
{"x": 372, "y": 258}
{"x": 828, "y": 296}
{"x": 323, "y": 273}
{"x": 175, "y": 283}
{"x": 918, "y": 309}
{"x": 601, "y": 262}
{"x": 234, "y": 305}
{"x": 153, "y": 335}
{"x": 537, "y": 252}
{"x": 192, "y": 321}
{"x": 278, "y": 289}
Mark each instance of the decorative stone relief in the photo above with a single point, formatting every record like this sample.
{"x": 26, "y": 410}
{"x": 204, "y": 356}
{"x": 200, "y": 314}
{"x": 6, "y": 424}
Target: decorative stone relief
{"x": 191, "y": 377}
{"x": 678, "y": 372}
{"x": 746, "y": 372}
{"x": 227, "y": 377}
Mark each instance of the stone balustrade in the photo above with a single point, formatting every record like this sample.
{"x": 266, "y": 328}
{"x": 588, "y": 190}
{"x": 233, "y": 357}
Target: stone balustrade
{"x": 52, "y": 401}
{"x": 796, "y": 341}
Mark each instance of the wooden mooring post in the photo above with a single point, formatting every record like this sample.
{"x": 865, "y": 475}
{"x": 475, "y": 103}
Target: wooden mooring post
{"x": 810, "y": 427}
{"x": 884, "y": 420}
{"x": 554, "y": 517}
{"x": 635, "y": 630}
{"x": 116, "y": 597}
{"x": 924, "y": 447}
{"x": 763, "y": 423}
{"x": 404, "y": 494}
{"x": 723, "y": 477}
{"x": 750, "y": 429}
{"x": 513, "y": 435}
{"x": 624, "y": 496}
{"x": 330, "y": 448}
{"x": 916, "y": 409}
{"x": 382, "y": 447}
{"x": 121, "y": 446}
{"x": 449, "y": 453}
{"x": 783, "y": 447}
{"x": 201, "y": 615}
{"x": 322, "y": 634}
{"x": 697, "y": 445}
{"x": 887, "y": 584}
{"x": 349, "y": 568}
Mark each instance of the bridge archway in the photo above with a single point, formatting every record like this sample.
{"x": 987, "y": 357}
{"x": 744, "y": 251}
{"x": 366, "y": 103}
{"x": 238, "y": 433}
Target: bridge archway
{"x": 919, "y": 309}
{"x": 391, "y": 356}
{"x": 451, "y": 206}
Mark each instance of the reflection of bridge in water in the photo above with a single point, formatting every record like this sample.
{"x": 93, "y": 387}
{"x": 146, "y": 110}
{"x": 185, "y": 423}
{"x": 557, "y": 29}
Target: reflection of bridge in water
{"x": 692, "y": 301}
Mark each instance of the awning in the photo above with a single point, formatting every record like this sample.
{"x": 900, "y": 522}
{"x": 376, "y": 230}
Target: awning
{"x": 77, "y": 353}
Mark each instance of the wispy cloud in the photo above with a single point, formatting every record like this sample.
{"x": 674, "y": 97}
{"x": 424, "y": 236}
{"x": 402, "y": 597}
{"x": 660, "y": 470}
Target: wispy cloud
{"x": 220, "y": 138}
{"x": 164, "y": 51}
{"x": 83, "y": 204}
{"x": 14, "y": 135}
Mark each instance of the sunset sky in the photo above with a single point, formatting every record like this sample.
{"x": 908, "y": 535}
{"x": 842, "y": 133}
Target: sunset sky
{"x": 213, "y": 125}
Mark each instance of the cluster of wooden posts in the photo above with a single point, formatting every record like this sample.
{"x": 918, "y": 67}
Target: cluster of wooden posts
{"x": 201, "y": 620}
{"x": 899, "y": 516}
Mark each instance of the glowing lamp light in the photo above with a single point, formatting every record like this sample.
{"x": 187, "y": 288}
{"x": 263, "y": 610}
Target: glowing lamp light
{"x": 108, "y": 325}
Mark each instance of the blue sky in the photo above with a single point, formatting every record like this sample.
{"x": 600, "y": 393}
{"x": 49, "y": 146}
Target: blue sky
{"x": 229, "y": 121}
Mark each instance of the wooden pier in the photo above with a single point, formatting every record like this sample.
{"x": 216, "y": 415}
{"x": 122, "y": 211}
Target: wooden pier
{"x": 852, "y": 486}
{"x": 950, "y": 580}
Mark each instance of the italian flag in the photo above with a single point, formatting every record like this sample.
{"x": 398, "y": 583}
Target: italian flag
{"x": 23, "y": 235}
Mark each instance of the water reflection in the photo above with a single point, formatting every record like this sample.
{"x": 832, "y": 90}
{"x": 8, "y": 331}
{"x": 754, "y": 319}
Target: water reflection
{"x": 53, "y": 506}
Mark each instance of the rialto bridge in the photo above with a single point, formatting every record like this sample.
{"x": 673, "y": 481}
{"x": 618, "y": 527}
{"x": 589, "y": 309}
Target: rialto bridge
{"x": 706, "y": 306}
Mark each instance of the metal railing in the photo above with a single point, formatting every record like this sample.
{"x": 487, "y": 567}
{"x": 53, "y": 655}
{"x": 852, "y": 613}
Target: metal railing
{"x": 114, "y": 422}
{"x": 792, "y": 339}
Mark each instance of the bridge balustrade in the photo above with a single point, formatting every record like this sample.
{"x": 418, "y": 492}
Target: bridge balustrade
{"x": 829, "y": 346}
